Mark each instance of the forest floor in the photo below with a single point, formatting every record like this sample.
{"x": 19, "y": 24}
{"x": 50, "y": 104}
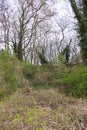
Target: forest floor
{"x": 42, "y": 109}
{"x": 42, "y": 98}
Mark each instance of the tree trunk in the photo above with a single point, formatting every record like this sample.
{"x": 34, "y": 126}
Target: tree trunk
{"x": 82, "y": 24}
{"x": 19, "y": 52}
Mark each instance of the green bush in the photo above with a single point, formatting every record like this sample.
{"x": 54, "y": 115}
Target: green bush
{"x": 76, "y": 82}
{"x": 61, "y": 69}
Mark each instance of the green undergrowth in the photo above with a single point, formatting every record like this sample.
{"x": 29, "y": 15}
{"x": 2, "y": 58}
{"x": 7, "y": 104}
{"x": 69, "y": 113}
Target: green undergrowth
{"x": 72, "y": 81}
{"x": 40, "y": 76}
{"x": 75, "y": 83}
{"x": 11, "y": 77}
{"x": 35, "y": 101}
{"x": 15, "y": 74}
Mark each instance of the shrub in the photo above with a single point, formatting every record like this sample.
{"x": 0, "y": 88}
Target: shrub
{"x": 76, "y": 82}
{"x": 28, "y": 70}
{"x": 10, "y": 74}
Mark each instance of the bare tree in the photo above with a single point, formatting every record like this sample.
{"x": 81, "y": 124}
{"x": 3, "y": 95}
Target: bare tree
{"x": 31, "y": 14}
{"x": 5, "y": 24}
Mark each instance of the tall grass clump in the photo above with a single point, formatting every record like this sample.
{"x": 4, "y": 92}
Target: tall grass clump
{"x": 10, "y": 74}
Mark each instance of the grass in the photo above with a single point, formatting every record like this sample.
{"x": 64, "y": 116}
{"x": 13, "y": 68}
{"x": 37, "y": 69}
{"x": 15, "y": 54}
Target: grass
{"x": 42, "y": 110}
{"x": 72, "y": 81}
{"x": 34, "y": 98}
{"x": 11, "y": 77}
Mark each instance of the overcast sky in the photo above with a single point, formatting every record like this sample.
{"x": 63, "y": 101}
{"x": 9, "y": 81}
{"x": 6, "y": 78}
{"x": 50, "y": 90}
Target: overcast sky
{"x": 64, "y": 11}
{"x": 59, "y": 5}
{"x": 12, "y": 3}
{"x": 62, "y": 7}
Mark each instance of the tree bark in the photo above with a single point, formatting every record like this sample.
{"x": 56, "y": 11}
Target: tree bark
{"x": 81, "y": 16}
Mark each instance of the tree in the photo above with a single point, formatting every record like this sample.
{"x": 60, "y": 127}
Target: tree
{"x": 80, "y": 11}
{"x": 5, "y": 24}
{"x": 30, "y": 15}
{"x": 42, "y": 57}
{"x": 66, "y": 52}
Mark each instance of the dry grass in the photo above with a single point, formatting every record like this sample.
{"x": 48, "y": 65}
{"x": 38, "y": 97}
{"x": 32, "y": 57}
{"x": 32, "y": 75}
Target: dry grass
{"x": 42, "y": 110}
